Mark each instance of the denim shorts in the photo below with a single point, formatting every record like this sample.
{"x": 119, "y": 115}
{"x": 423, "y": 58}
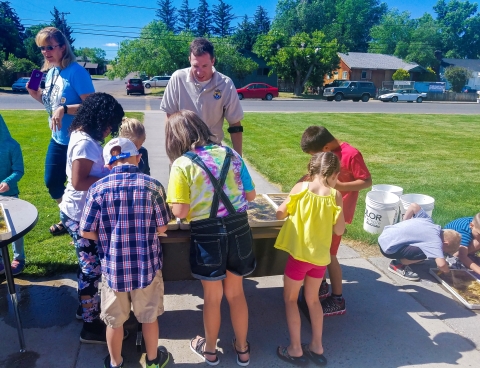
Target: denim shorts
{"x": 221, "y": 244}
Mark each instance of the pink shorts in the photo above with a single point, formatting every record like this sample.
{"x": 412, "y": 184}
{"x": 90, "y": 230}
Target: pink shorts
{"x": 297, "y": 270}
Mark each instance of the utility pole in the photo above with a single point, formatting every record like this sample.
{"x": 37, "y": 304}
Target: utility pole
{"x": 63, "y": 22}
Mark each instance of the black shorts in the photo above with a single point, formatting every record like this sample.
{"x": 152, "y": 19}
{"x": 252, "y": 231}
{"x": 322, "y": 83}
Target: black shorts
{"x": 219, "y": 245}
{"x": 409, "y": 252}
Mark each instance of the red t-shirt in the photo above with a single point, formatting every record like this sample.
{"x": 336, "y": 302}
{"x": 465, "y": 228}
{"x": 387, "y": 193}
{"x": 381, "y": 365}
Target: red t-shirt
{"x": 352, "y": 167}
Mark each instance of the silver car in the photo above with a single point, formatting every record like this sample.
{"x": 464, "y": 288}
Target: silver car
{"x": 157, "y": 81}
{"x": 408, "y": 95}
{"x": 20, "y": 85}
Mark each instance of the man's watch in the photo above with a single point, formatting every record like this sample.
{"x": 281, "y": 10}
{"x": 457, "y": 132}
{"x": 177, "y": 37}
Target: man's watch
{"x": 65, "y": 109}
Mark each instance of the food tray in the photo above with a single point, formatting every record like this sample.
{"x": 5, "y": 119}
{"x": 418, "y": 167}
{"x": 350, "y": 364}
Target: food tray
{"x": 184, "y": 224}
{"x": 173, "y": 224}
{"x": 262, "y": 212}
{"x": 463, "y": 276}
{"x": 276, "y": 198}
{"x": 5, "y": 229}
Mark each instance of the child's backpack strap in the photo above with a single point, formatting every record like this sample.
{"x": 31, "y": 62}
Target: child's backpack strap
{"x": 217, "y": 184}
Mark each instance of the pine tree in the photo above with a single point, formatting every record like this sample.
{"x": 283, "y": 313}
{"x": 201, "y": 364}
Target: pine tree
{"x": 204, "y": 16}
{"x": 167, "y": 14}
{"x": 186, "y": 17}
{"x": 11, "y": 31}
{"x": 222, "y": 17}
{"x": 260, "y": 21}
{"x": 57, "y": 22}
{"x": 244, "y": 36}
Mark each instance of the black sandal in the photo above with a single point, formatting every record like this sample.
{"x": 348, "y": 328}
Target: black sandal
{"x": 199, "y": 349}
{"x": 318, "y": 359}
{"x": 241, "y": 362}
{"x": 57, "y": 229}
{"x": 282, "y": 353}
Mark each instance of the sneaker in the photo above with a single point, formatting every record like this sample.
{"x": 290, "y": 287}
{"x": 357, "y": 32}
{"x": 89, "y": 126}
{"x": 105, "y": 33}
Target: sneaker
{"x": 79, "y": 313}
{"x": 332, "y": 307}
{"x": 324, "y": 290}
{"x": 2, "y": 269}
{"x": 17, "y": 267}
{"x": 106, "y": 362}
{"x": 162, "y": 359}
{"x": 403, "y": 271}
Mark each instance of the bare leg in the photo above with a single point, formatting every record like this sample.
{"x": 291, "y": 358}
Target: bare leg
{"x": 114, "y": 341}
{"x": 335, "y": 273}
{"x": 290, "y": 295}
{"x": 233, "y": 289}
{"x": 407, "y": 262}
{"x": 212, "y": 297}
{"x": 150, "y": 335}
{"x": 315, "y": 310}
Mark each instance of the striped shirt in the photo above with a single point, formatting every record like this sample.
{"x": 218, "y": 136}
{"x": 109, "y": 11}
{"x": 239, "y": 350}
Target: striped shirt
{"x": 462, "y": 225}
{"x": 125, "y": 208}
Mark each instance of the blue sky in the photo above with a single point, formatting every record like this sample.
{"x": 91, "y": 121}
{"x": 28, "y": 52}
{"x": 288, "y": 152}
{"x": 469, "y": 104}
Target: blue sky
{"x": 96, "y": 24}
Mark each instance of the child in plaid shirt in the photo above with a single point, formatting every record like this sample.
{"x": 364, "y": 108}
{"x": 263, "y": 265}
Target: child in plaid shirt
{"x": 124, "y": 211}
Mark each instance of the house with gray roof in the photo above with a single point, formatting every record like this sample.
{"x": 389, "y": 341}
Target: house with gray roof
{"x": 471, "y": 64}
{"x": 375, "y": 68}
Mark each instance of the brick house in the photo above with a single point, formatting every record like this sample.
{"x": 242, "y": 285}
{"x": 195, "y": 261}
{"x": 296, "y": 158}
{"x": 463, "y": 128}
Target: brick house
{"x": 375, "y": 68}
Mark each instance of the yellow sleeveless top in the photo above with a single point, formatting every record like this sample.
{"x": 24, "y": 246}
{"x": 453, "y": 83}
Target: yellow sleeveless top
{"x": 307, "y": 232}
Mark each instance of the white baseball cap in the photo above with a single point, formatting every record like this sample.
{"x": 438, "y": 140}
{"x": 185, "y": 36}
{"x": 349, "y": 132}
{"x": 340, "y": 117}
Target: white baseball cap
{"x": 127, "y": 149}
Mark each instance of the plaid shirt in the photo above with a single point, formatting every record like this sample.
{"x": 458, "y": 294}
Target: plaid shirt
{"x": 125, "y": 208}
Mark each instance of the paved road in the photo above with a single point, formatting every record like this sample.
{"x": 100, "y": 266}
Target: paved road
{"x": 138, "y": 102}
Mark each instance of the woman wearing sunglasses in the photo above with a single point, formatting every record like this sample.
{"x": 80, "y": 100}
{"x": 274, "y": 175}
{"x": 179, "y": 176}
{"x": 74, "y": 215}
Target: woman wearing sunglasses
{"x": 67, "y": 84}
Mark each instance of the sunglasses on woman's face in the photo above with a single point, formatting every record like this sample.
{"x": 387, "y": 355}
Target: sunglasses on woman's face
{"x": 48, "y": 48}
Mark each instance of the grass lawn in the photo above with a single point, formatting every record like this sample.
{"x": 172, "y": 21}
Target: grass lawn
{"x": 302, "y": 96}
{"x": 435, "y": 155}
{"x": 155, "y": 91}
{"x": 45, "y": 253}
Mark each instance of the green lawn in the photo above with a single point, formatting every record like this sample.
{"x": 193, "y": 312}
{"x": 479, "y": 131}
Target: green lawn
{"x": 155, "y": 91}
{"x": 435, "y": 155}
{"x": 45, "y": 254}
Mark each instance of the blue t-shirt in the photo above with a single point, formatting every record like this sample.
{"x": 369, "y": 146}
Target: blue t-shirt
{"x": 462, "y": 225}
{"x": 65, "y": 86}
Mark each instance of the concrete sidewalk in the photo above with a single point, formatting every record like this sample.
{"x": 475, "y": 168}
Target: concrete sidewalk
{"x": 390, "y": 322}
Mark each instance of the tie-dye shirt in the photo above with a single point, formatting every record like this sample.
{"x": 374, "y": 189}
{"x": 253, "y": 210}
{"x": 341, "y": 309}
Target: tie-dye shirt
{"x": 189, "y": 183}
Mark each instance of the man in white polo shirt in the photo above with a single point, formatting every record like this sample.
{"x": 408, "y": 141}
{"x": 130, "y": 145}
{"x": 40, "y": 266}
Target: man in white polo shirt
{"x": 208, "y": 93}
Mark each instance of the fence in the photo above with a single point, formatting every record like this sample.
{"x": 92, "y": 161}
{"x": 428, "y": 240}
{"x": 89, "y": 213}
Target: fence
{"x": 452, "y": 96}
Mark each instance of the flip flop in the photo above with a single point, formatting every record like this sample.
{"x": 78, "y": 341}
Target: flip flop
{"x": 199, "y": 349}
{"x": 318, "y": 359}
{"x": 57, "y": 229}
{"x": 282, "y": 353}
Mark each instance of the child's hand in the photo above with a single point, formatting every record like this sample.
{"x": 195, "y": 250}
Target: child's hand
{"x": 4, "y": 187}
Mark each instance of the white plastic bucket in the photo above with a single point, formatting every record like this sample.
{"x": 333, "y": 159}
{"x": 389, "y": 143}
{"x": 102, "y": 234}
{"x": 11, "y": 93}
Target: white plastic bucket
{"x": 388, "y": 188}
{"x": 424, "y": 201}
{"x": 381, "y": 209}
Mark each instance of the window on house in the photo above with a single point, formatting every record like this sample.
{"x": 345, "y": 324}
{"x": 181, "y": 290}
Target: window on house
{"x": 266, "y": 71}
{"x": 345, "y": 75}
{"x": 364, "y": 74}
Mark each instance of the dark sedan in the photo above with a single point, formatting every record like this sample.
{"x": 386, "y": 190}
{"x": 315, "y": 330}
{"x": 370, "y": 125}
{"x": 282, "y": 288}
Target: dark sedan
{"x": 257, "y": 90}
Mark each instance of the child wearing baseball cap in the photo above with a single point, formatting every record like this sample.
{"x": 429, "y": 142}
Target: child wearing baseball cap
{"x": 122, "y": 236}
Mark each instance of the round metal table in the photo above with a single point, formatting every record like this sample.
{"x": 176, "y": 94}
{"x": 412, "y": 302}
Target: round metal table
{"x": 22, "y": 217}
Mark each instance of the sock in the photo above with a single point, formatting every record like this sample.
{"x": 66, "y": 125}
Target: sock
{"x": 154, "y": 361}
{"x": 117, "y": 366}
{"x": 337, "y": 297}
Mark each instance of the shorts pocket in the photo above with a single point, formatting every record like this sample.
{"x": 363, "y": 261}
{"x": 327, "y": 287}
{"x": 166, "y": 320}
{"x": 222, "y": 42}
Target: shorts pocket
{"x": 208, "y": 252}
{"x": 244, "y": 243}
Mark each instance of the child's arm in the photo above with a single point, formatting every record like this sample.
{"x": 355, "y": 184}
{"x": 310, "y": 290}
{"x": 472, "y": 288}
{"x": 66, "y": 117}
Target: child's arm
{"x": 462, "y": 255}
{"x": 354, "y": 186}
{"x": 282, "y": 209}
{"x": 92, "y": 235}
{"x": 250, "y": 196}
{"x": 442, "y": 265}
{"x": 180, "y": 210}
{"x": 17, "y": 170}
{"x": 81, "y": 178}
{"x": 339, "y": 227}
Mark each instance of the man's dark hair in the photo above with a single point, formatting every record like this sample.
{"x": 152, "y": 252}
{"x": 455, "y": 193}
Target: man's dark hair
{"x": 314, "y": 138}
{"x": 201, "y": 46}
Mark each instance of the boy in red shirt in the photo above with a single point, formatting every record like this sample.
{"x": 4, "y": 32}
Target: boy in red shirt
{"x": 354, "y": 176}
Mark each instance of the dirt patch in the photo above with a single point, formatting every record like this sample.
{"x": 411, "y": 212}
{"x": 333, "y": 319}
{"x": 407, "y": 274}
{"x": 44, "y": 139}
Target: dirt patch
{"x": 366, "y": 250}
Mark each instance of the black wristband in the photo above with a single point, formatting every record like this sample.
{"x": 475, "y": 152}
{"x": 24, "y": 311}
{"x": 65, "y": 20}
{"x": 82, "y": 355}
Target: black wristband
{"x": 235, "y": 129}
{"x": 65, "y": 109}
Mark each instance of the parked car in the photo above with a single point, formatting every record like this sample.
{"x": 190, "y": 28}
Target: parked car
{"x": 135, "y": 85}
{"x": 20, "y": 85}
{"x": 351, "y": 90}
{"x": 335, "y": 83}
{"x": 257, "y": 90}
{"x": 408, "y": 95}
{"x": 157, "y": 81}
{"x": 468, "y": 89}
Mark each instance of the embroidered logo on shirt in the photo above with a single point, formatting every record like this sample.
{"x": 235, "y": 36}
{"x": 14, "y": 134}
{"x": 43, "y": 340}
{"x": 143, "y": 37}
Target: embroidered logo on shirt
{"x": 217, "y": 94}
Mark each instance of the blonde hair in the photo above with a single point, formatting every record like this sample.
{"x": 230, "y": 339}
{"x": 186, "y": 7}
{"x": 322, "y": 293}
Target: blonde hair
{"x": 49, "y": 34}
{"x": 134, "y": 130}
{"x": 184, "y": 131}
{"x": 324, "y": 164}
{"x": 476, "y": 221}
{"x": 452, "y": 238}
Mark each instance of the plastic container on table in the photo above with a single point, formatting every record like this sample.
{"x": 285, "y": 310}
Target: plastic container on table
{"x": 276, "y": 198}
{"x": 262, "y": 212}
{"x": 5, "y": 229}
{"x": 173, "y": 224}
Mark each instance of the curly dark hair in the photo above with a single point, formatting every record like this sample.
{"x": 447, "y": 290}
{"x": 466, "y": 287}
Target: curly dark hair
{"x": 96, "y": 114}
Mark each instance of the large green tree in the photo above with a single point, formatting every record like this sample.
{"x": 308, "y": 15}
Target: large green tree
{"x": 94, "y": 54}
{"x": 186, "y": 17}
{"x": 230, "y": 62}
{"x": 203, "y": 24}
{"x": 222, "y": 16}
{"x": 426, "y": 39}
{"x": 245, "y": 35}
{"x": 60, "y": 22}
{"x": 31, "y": 48}
{"x": 261, "y": 21}
{"x": 457, "y": 76}
{"x": 167, "y": 13}
{"x": 11, "y": 31}
{"x": 300, "y": 58}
